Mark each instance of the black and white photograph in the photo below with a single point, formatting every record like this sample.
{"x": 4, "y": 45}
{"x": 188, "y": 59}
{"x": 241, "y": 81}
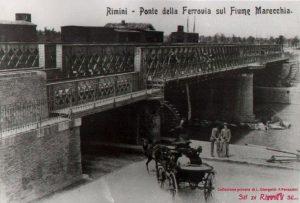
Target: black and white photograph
{"x": 149, "y": 101}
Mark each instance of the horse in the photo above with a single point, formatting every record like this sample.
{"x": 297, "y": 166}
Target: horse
{"x": 148, "y": 152}
{"x": 154, "y": 151}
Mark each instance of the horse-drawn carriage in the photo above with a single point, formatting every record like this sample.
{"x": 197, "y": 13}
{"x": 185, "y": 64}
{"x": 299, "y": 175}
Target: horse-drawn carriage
{"x": 172, "y": 177}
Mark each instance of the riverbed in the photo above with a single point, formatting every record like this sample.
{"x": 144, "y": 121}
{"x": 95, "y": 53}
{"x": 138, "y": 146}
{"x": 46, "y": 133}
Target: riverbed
{"x": 287, "y": 139}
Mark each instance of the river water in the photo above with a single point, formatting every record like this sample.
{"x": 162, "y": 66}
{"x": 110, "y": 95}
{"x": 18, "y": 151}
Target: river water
{"x": 288, "y": 139}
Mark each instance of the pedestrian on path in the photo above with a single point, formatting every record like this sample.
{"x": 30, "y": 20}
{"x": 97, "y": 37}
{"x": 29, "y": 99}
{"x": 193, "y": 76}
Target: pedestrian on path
{"x": 219, "y": 143}
{"x": 213, "y": 138}
{"x": 226, "y": 137}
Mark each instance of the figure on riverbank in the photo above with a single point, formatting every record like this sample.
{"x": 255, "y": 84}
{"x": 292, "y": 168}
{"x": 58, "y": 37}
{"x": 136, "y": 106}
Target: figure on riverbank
{"x": 226, "y": 137}
{"x": 214, "y": 139}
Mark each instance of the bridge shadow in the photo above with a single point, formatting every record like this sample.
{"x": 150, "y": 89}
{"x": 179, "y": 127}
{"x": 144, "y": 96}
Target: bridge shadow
{"x": 264, "y": 111}
{"x": 99, "y": 160}
{"x": 100, "y": 132}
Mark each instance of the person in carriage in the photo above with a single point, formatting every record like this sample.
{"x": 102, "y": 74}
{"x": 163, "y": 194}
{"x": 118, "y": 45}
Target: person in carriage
{"x": 189, "y": 168}
{"x": 194, "y": 156}
{"x": 190, "y": 156}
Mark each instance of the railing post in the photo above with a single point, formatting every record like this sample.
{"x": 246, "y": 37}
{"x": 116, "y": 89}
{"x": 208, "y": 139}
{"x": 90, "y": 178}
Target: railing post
{"x": 142, "y": 80}
{"x": 115, "y": 85}
{"x": 75, "y": 86}
{"x": 1, "y": 121}
{"x": 42, "y": 57}
{"x": 95, "y": 84}
{"x": 132, "y": 82}
{"x": 59, "y": 56}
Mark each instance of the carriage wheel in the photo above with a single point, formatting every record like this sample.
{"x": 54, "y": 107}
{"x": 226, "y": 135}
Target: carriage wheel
{"x": 169, "y": 183}
{"x": 172, "y": 183}
{"x": 157, "y": 171}
{"x": 208, "y": 186}
{"x": 162, "y": 177}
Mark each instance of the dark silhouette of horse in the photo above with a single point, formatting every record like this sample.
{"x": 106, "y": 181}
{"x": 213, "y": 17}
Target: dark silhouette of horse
{"x": 154, "y": 151}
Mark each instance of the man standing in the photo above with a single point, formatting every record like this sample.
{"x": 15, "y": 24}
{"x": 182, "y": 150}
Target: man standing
{"x": 226, "y": 136}
{"x": 213, "y": 138}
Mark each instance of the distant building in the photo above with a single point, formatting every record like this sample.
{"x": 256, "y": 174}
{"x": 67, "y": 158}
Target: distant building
{"x": 20, "y": 30}
{"x": 147, "y": 32}
{"x": 183, "y": 37}
{"x": 112, "y": 33}
{"x": 87, "y": 34}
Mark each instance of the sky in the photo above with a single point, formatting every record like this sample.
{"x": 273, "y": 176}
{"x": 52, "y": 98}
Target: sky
{"x": 57, "y": 13}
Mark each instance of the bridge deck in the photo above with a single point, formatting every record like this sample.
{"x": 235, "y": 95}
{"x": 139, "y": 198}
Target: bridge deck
{"x": 197, "y": 74}
{"x": 107, "y": 104}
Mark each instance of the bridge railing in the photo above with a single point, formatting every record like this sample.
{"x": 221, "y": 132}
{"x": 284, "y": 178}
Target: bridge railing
{"x": 161, "y": 63}
{"x": 66, "y": 94}
{"x": 159, "y": 60}
{"x": 76, "y": 92}
{"x": 27, "y": 55}
{"x": 87, "y": 60}
{"x": 18, "y": 55}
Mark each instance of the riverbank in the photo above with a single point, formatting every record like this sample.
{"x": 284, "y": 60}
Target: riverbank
{"x": 240, "y": 154}
{"x": 251, "y": 155}
{"x": 133, "y": 184}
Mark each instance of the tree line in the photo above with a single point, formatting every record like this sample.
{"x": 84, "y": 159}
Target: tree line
{"x": 51, "y": 35}
{"x": 220, "y": 38}
{"x": 48, "y": 35}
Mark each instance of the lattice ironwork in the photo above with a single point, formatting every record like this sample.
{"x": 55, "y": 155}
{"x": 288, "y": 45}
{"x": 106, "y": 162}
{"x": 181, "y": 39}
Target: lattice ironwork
{"x": 106, "y": 88}
{"x": 124, "y": 85}
{"x": 70, "y": 93}
{"x": 93, "y": 60}
{"x": 86, "y": 91}
{"x": 167, "y": 62}
{"x": 18, "y": 55}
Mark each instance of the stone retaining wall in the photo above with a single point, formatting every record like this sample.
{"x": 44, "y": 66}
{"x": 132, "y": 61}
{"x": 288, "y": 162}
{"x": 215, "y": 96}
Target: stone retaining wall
{"x": 38, "y": 162}
{"x": 23, "y": 98}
